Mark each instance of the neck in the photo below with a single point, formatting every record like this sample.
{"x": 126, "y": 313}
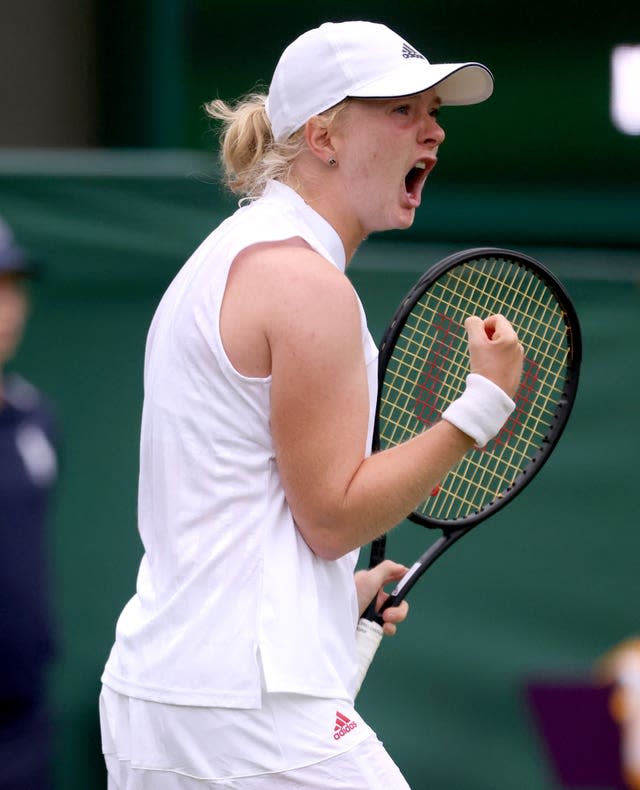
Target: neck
{"x": 328, "y": 207}
{"x": 322, "y": 190}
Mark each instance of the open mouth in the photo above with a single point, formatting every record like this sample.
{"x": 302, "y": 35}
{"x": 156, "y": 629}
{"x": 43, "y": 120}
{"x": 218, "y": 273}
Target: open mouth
{"x": 415, "y": 178}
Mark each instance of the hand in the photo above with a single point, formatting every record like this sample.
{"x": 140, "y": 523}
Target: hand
{"x": 495, "y": 352}
{"x": 369, "y": 584}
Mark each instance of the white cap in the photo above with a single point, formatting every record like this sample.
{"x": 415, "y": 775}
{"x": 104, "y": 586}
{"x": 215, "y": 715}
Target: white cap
{"x": 363, "y": 60}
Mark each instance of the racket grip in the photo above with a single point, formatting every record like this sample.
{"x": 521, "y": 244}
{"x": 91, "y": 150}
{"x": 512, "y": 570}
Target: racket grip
{"x": 368, "y": 638}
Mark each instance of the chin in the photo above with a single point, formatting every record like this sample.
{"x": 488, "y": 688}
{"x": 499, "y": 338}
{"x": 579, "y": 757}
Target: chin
{"x": 405, "y": 220}
{"x": 398, "y": 220}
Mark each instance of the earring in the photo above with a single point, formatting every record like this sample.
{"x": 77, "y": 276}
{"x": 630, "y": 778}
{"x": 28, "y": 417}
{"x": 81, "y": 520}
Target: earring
{"x": 332, "y": 162}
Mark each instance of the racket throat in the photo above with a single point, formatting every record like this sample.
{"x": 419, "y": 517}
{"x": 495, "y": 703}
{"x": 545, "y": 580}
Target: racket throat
{"x": 402, "y": 588}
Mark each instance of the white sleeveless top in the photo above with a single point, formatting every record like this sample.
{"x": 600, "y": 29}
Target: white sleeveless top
{"x": 227, "y": 587}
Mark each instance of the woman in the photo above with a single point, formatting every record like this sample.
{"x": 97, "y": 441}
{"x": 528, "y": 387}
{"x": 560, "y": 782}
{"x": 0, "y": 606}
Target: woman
{"x": 234, "y": 664}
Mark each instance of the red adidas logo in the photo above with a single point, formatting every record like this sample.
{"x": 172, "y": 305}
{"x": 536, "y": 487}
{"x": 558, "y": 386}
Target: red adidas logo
{"x": 343, "y": 725}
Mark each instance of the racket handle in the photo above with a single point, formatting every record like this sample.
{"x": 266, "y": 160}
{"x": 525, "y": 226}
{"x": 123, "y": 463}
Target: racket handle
{"x": 368, "y": 638}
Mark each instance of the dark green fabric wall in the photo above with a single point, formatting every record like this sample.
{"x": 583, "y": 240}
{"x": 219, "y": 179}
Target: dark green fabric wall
{"x": 543, "y": 588}
{"x": 547, "y": 122}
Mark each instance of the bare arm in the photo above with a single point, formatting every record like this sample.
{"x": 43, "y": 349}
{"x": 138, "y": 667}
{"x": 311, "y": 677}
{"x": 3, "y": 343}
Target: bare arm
{"x": 309, "y": 315}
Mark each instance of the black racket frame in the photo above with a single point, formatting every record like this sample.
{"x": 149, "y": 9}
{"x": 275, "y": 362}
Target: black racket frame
{"x": 454, "y": 529}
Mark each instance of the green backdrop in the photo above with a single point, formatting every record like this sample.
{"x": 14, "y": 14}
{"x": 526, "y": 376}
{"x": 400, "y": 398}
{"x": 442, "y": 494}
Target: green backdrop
{"x": 543, "y": 588}
{"x": 547, "y": 122}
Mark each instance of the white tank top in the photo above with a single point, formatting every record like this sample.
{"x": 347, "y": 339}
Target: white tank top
{"x": 227, "y": 587}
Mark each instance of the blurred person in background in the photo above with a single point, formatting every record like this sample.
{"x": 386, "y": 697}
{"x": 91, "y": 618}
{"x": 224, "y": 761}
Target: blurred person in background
{"x": 620, "y": 668}
{"x": 28, "y": 472}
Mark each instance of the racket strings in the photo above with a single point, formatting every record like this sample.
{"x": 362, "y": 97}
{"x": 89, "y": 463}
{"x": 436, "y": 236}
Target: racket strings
{"x": 429, "y": 365}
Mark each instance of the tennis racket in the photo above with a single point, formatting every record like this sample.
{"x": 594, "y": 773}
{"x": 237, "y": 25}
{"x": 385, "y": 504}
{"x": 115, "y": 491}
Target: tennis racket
{"x": 423, "y": 366}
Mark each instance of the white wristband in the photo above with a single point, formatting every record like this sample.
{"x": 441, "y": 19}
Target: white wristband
{"x": 481, "y": 410}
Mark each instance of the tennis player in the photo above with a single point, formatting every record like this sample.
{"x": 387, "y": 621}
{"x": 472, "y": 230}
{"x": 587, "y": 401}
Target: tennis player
{"x": 234, "y": 663}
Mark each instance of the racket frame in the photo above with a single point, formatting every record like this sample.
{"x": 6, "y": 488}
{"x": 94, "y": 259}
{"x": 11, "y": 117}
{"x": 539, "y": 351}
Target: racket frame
{"x": 454, "y": 529}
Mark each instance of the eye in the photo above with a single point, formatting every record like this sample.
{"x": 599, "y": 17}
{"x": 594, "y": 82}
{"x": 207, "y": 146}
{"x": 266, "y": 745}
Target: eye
{"x": 403, "y": 109}
{"x": 435, "y": 112}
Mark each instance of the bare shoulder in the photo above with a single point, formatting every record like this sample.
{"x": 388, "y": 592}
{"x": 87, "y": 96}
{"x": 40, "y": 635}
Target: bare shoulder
{"x": 285, "y": 259}
{"x": 279, "y": 297}
{"x": 289, "y": 274}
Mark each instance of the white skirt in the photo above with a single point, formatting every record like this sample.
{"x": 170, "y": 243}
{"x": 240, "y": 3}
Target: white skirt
{"x": 292, "y": 741}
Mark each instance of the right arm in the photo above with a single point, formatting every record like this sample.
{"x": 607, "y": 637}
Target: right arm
{"x": 309, "y": 316}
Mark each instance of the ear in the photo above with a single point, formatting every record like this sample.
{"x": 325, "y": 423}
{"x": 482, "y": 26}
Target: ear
{"x": 318, "y": 138}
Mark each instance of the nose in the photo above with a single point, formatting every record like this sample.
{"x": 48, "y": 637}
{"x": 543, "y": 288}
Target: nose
{"x": 432, "y": 134}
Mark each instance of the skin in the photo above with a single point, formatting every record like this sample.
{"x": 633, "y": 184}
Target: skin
{"x": 375, "y": 147}
{"x": 13, "y": 316}
{"x": 289, "y": 313}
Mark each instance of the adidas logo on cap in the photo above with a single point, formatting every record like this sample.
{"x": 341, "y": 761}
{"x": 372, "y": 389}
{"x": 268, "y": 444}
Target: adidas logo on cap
{"x": 343, "y": 726}
{"x": 410, "y": 52}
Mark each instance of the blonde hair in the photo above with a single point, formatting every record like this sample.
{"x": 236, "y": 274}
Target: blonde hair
{"x": 250, "y": 156}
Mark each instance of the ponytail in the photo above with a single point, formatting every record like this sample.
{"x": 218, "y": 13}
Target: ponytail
{"x": 249, "y": 154}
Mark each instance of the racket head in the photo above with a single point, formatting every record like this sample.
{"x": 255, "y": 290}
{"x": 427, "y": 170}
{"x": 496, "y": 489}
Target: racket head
{"x": 423, "y": 365}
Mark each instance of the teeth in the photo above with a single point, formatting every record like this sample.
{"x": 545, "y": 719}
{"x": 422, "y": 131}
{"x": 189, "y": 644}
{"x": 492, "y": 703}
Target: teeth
{"x": 420, "y": 165}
